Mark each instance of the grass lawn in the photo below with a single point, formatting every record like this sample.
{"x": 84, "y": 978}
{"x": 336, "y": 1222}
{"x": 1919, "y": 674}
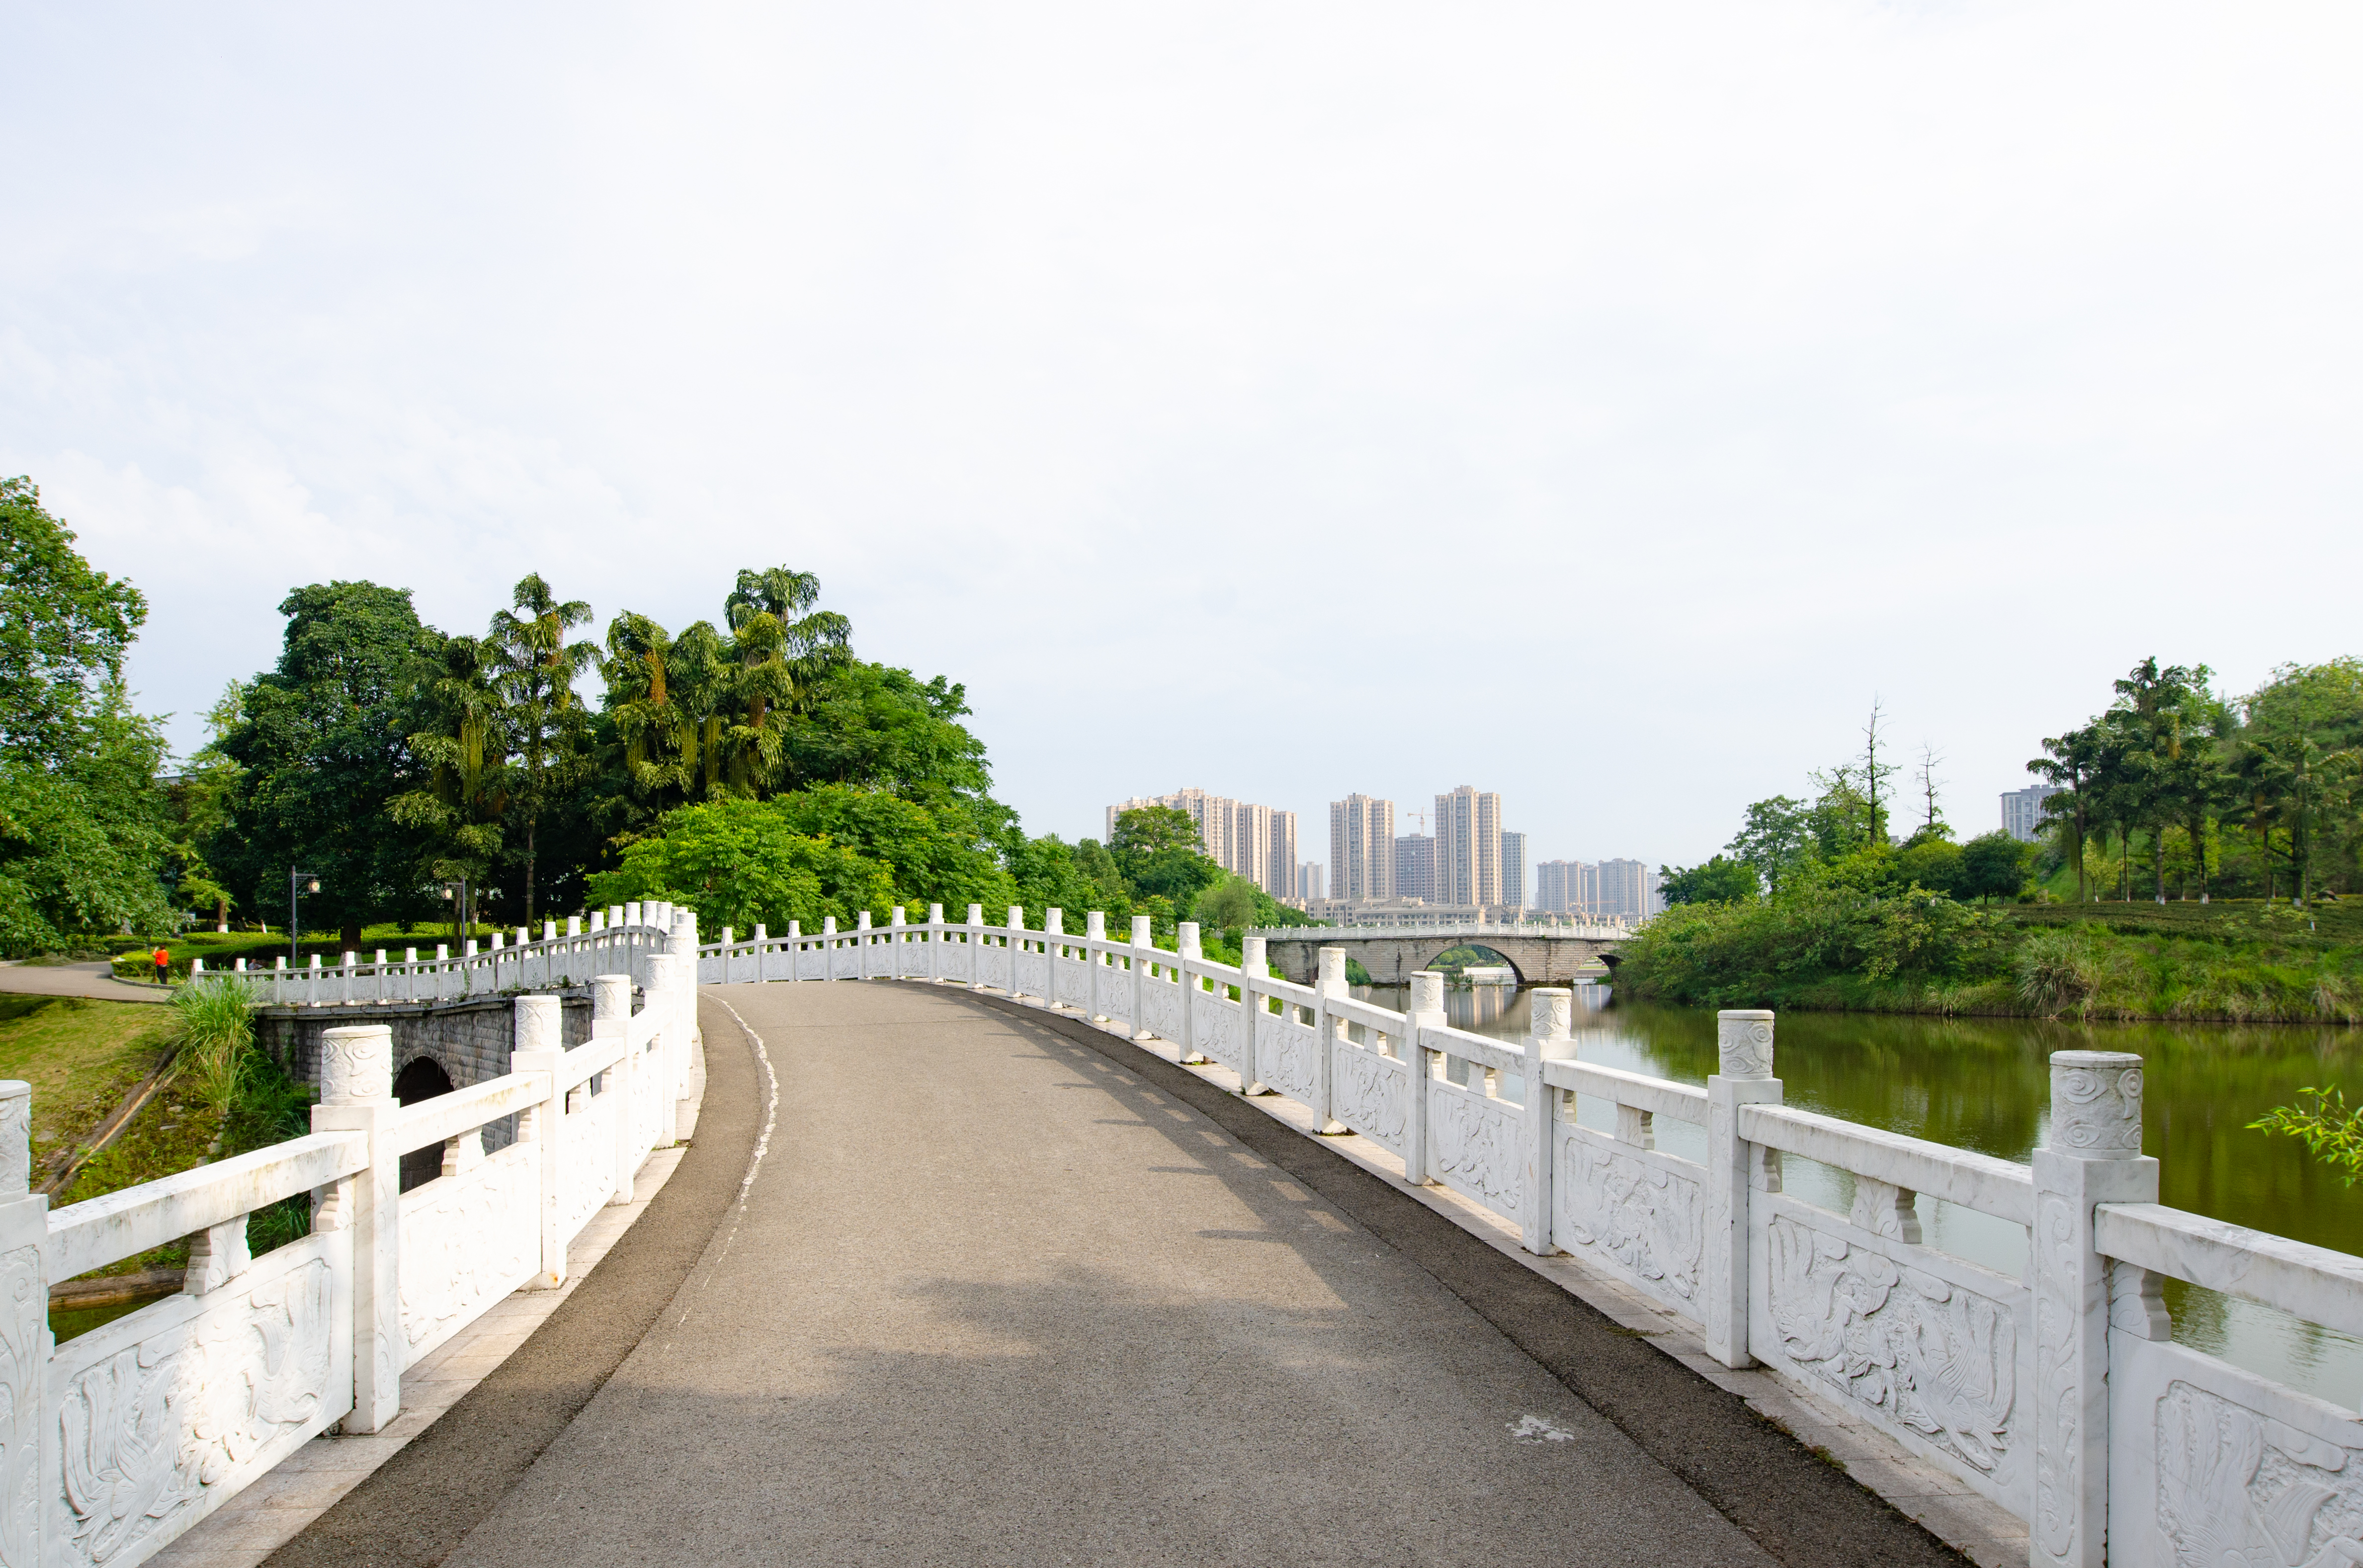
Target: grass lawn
{"x": 82, "y": 1057}
{"x": 2338, "y": 922}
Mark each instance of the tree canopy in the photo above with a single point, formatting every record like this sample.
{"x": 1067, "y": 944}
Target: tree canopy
{"x": 84, "y": 845}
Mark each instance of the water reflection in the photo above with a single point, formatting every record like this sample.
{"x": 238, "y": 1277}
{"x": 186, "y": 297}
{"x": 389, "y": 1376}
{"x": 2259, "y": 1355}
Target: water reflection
{"x": 1984, "y": 1084}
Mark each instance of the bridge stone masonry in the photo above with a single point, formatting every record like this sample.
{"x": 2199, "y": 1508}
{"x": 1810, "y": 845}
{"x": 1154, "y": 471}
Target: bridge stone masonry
{"x": 1542, "y": 954}
{"x": 1064, "y": 1246}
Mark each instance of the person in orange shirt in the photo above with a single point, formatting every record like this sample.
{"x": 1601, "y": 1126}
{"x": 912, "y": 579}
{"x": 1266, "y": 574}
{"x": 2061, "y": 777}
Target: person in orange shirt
{"x": 163, "y": 965}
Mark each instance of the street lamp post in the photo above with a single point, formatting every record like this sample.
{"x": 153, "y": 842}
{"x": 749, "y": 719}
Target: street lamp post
{"x": 455, "y": 893}
{"x": 298, "y": 884}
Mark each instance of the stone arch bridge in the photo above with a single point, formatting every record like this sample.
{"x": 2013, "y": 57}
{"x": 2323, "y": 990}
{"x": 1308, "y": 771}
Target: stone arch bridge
{"x": 1542, "y": 954}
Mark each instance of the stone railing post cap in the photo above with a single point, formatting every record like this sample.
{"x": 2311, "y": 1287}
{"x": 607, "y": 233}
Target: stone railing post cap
{"x": 2069, "y": 1060}
{"x": 1745, "y": 1012}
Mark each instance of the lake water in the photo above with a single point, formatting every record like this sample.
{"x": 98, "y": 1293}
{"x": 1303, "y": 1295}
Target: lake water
{"x": 1984, "y": 1084}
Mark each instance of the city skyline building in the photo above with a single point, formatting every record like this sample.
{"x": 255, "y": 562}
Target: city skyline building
{"x": 1361, "y": 848}
{"x": 1311, "y": 882}
{"x": 1513, "y": 869}
{"x": 2023, "y": 815}
{"x": 1415, "y": 867}
{"x": 1567, "y": 887}
{"x": 1627, "y": 889}
{"x": 1468, "y": 847}
{"x": 1249, "y": 840}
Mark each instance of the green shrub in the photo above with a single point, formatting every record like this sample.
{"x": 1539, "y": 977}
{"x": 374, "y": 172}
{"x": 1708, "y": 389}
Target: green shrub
{"x": 214, "y": 1028}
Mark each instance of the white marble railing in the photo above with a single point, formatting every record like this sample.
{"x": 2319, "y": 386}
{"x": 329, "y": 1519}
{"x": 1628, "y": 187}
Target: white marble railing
{"x": 2057, "y": 1394}
{"x": 614, "y": 941}
{"x": 114, "y": 1444}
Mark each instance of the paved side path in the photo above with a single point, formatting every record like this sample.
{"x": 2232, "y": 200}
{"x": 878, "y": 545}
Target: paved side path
{"x": 95, "y": 980}
{"x": 993, "y": 1297}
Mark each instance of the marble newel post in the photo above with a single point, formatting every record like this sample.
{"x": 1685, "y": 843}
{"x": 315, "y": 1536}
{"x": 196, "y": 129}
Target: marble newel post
{"x": 1734, "y": 1165}
{"x": 1143, "y": 939}
{"x": 1186, "y": 941}
{"x": 610, "y": 1018}
{"x": 357, "y": 1096}
{"x": 1254, "y": 967}
{"x": 1550, "y": 1037}
{"x": 539, "y": 1047}
{"x": 1424, "y": 1010}
{"x": 1328, "y": 1028}
{"x": 1095, "y": 964}
{"x": 2091, "y": 1155}
{"x": 24, "y": 1317}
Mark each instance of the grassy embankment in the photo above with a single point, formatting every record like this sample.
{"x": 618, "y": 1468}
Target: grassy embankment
{"x": 83, "y": 1057}
{"x": 2237, "y": 962}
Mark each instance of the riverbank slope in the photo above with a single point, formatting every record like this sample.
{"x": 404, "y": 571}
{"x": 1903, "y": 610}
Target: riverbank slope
{"x": 2242, "y": 962}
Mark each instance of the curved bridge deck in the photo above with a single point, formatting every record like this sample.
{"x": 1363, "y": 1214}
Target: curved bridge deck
{"x": 1002, "y": 1288}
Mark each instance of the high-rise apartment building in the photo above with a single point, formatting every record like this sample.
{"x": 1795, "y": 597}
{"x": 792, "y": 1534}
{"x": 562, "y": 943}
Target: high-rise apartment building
{"x": 1627, "y": 889}
{"x": 1310, "y": 882}
{"x": 1468, "y": 847}
{"x": 1256, "y": 842}
{"x": 1279, "y": 875}
{"x": 1415, "y": 867}
{"x": 1513, "y": 871}
{"x": 1567, "y": 887}
{"x": 2023, "y": 815}
{"x": 1361, "y": 848}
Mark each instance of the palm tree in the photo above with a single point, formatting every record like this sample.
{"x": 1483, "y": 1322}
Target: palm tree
{"x": 466, "y": 747}
{"x": 2072, "y": 764}
{"x": 780, "y": 646}
{"x": 536, "y": 668}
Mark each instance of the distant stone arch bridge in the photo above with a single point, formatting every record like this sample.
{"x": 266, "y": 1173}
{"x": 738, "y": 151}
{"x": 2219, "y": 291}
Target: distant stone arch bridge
{"x": 1542, "y": 954}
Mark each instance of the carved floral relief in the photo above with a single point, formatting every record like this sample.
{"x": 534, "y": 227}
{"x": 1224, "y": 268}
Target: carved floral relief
{"x": 2058, "y": 1315}
{"x": 2240, "y": 1490}
{"x": 1933, "y": 1357}
{"x": 1288, "y": 1055}
{"x": 1476, "y": 1143}
{"x": 473, "y": 1244}
{"x": 1160, "y": 1008}
{"x": 148, "y": 1429}
{"x": 1366, "y": 1094}
{"x": 1074, "y": 983}
{"x": 1644, "y": 1216}
{"x": 24, "y": 1315}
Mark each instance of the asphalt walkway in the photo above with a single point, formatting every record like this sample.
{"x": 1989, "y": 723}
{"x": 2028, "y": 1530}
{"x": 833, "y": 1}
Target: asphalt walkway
{"x": 992, "y": 1287}
{"x": 95, "y": 980}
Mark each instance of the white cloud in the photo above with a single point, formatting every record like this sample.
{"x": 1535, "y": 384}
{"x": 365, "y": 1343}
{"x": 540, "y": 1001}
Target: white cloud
{"x": 1596, "y": 404}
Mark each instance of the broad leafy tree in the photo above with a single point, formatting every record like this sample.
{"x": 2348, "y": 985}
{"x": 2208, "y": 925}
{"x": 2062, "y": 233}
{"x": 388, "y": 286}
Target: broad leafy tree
{"x": 82, "y": 840}
{"x": 323, "y": 746}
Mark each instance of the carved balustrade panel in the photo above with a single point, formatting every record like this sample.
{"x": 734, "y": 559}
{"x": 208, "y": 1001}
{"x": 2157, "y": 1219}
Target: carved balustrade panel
{"x": 1473, "y": 1145}
{"x": 1116, "y": 992}
{"x": 2211, "y": 1465}
{"x": 467, "y": 1240}
{"x": 1033, "y": 973}
{"x": 1288, "y": 1055}
{"x": 958, "y": 960}
{"x": 164, "y": 1413}
{"x": 1369, "y": 1093}
{"x": 1160, "y": 1008}
{"x": 1633, "y": 1213}
{"x": 1922, "y": 1344}
{"x": 587, "y": 1162}
{"x": 1214, "y": 1030}
{"x": 845, "y": 961}
{"x": 1074, "y": 984}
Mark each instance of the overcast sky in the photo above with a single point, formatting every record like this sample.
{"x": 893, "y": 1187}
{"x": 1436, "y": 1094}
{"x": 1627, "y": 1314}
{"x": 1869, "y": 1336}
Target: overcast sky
{"x": 1599, "y": 404}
